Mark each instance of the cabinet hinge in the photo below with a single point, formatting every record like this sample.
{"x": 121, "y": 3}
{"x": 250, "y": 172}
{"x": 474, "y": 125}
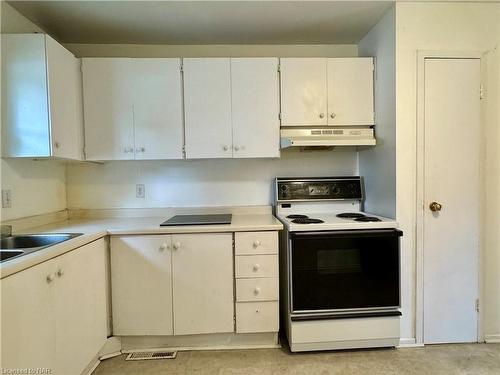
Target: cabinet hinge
{"x": 279, "y": 116}
{"x": 182, "y": 67}
{"x": 279, "y": 68}
{"x": 184, "y": 151}
{"x": 482, "y": 92}
{"x": 477, "y": 305}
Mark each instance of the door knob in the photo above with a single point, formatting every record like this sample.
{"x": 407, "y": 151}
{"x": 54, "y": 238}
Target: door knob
{"x": 435, "y": 207}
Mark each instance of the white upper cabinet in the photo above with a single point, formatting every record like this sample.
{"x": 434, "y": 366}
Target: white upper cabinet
{"x": 303, "y": 92}
{"x": 255, "y": 107}
{"x": 41, "y": 98}
{"x": 350, "y": 91}
{"x": 320, "y": 91}
{"x": 133, "y": 108}
{"x": 207, "y": 108}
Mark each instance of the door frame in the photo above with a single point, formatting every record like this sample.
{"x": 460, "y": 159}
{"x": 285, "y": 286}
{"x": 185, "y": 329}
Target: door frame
{"x": 422, "y": 55}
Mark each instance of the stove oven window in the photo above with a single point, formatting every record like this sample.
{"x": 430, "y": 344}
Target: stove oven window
{"x": 345, "y": 270}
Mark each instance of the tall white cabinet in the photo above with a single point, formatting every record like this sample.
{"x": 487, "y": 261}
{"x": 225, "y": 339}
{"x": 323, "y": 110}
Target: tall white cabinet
{"x": 231, "y": 107}
{"x": 327, "y": 91}
{"x": 133, "y": 108}
{"x": 41, "y": 98}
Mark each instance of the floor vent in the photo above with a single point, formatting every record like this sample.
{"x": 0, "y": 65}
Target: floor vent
{"x": 140, "y": 356}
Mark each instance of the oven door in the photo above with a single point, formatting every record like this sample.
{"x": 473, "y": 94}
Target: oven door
{"x": 342, "y": 271}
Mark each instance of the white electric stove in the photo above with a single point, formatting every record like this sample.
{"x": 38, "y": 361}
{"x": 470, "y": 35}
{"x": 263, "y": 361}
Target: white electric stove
{"x": 339, "y": 266}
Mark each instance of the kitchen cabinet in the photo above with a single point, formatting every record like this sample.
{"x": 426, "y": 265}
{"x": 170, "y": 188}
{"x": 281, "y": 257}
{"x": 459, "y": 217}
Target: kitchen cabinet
{"x": 141, "y": 279}
{"x": 133, "y": 108}
{"x": 54, "y": 314}
{"x": 231, "y": 107}
{"x": 41, "y": 98}
{"x": 327, "y": 92}
{"x": 180, "y": 284}
{"x": 207, "y": 108}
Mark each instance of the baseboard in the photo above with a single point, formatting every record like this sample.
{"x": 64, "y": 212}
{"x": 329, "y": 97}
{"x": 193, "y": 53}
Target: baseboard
{"x": 111, "y": 348}
{"x": 91, "y": 366}
{"x": 409, "y": 343}
{"x": 492, "y": 339}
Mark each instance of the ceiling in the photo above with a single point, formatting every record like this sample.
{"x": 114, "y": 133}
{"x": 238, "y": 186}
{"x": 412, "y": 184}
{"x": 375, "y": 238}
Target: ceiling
{"x": 205, "y": 22}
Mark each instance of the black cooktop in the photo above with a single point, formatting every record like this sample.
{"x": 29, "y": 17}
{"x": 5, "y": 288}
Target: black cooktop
{"x": 198, "y": 220}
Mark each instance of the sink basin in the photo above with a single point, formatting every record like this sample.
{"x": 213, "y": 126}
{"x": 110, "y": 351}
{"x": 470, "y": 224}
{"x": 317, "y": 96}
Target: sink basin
{"x": 7, "y": 254}
{"x": 18, "y": 245}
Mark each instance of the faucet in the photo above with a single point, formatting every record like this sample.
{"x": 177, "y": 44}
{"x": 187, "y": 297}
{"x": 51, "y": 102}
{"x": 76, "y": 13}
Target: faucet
{"x": 6, "y": 230}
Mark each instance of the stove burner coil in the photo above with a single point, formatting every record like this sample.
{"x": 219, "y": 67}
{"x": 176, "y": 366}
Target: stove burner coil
{"x": 367, "y": 218}
{"x": 307, "y": 221}
{"x": 296, "y": 216}
{"x": 350, "y": 215}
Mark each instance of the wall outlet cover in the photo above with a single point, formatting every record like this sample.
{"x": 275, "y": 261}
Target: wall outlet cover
{"x": 6, "y": 198}
{"x": 140, "y": 191}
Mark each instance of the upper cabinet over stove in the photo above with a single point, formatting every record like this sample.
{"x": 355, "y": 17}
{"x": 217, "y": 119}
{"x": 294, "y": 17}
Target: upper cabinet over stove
{"x": 327, "y": 91}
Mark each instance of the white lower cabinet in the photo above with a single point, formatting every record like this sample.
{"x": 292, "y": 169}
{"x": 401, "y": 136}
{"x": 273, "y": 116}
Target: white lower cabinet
{"x": 257, "y": 317}
{"x": 54, "y": 314}
{"x": 180, "y": 284}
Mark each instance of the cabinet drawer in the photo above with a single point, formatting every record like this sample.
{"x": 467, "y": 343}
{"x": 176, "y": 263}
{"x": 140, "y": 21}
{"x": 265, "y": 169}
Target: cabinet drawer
{"x": 263, "y": 289}
{"x": 256, "y": 243}
{"x": 257, "y": 317}
{"x": 256, "y": 266}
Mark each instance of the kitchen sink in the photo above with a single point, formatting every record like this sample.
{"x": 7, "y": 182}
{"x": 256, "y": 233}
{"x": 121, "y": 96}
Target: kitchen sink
{"x": 19, "y": 245}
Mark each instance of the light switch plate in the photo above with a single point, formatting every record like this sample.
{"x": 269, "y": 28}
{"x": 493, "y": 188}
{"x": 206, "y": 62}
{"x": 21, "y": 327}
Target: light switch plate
{"x": 6, "y": 198}
{"x": 140, "y": 191}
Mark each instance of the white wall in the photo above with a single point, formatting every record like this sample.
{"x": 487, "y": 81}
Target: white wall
{"x": 447, "y": 26}
{"x": 378, "y": 164}
{"x": 198, "y": 182}
{"x": 37, "y": 186}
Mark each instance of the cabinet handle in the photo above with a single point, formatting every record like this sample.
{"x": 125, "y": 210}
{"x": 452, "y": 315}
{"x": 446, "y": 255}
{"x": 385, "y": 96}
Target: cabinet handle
{"x": 256, "y": 243}
{"x": 256, "y": 291}
{"x": 333, "y": 115}
{"x": 60, "y": 272}
{"x": 236, "y": 148}
{"x": 140, "y": 149}
{"x": 57, "y": 144}
{"x": 256, "y": 267}
{"x": 225, "y": 148}
{"x": 177, "y": 245}
{"x": 128, "y": 149}
{"x": 50, "y": 278}
{"x": 164, "y": 247}
{"x": 321, "y": 115}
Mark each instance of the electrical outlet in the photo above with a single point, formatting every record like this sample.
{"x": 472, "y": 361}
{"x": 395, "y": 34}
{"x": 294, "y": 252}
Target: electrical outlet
{"x": 140, "y": 191}
{"x": 6, "y": 198}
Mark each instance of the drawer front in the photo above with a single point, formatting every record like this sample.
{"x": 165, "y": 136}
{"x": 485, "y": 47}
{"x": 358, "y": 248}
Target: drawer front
{"x": 257, "y": 317}
{"x": 256, "y": 266}
{"x": 263, "y": 289}
{"x": 256, "y": 243}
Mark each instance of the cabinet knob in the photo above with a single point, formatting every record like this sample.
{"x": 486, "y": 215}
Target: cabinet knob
{"x": 50, "y": 278}
{"x": 128, "y": 149}
{"x": 177, "y": 245}
{"x": 57, "y": 144}
{"x": 60, "y": 272}
{"x": 236, "y": 148}
{"x": 333, "y": 115}
{"x": 225, "y": 148}
{"x": 256, "y": 243}
{"x": 321, "y": 115}
{"x": 164, "y": 247}
{"x": 256, "y": 267}
{"x": 256, "y": 291}
{"x": 140, "y": 149}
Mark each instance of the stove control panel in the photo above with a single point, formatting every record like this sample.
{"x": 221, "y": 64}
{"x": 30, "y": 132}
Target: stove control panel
{"x": 328, "y": 188}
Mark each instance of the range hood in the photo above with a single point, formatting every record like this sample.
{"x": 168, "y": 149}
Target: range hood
{"x": 307, "y": 137}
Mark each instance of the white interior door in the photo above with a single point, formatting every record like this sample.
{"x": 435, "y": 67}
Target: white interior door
{"x": 350, "y": 91}
{"x": 157, "y": 91}
{"x": 108, "y": 109}
{"x": 451, "y": 178}
{"x": 303, "y": 92}
{"x": 255, "y": 107}
{"x": 207, "y": 108}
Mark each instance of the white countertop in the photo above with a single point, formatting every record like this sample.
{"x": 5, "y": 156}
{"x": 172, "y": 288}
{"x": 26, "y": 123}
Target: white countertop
{"x": 94, "y": 229}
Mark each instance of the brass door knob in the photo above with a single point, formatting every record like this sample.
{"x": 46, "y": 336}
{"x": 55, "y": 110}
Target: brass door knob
{"x": 435, "y": 206}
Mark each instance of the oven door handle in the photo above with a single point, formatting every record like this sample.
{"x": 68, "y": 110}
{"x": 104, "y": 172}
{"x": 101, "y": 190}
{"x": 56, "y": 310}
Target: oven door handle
{"x": 351, "y": 315}
{"x": 349, "y": 233}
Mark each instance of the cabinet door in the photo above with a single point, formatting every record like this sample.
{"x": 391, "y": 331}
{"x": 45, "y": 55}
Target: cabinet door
{"x": 207, "y": 108}
{"x": 141, "y": 285}
{"x": 157, "y": 102}
{"x": 303, "y": 91}
{"x": 108, "y": 109}
{"x": 65, "y": 99}
{"x": 202, "y": 266}
{"x": 80, "y": 300}
{"x": 255, "y": 107}
{"x": 28, "y": 322}
{"x": 350, "y": 91}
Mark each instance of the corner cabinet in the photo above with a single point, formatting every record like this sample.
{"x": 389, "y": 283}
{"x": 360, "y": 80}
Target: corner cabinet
{"x": 231, "y": 107}
{"x": 184, "y": 284}
{"x": 327, "y": 91}
{"x": 132, "y": 108}
{"x": 54, "y": 314}
{"x": 41, "y": 98}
